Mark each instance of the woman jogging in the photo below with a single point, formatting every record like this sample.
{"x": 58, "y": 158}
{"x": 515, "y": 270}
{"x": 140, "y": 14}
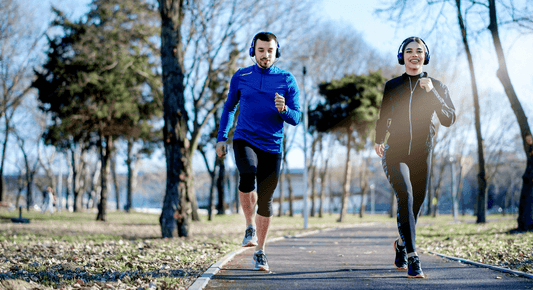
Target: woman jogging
{"x": 409, "y": 104}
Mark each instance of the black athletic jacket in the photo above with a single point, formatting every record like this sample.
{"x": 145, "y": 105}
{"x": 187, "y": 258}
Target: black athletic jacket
{"x": 407, "y": 112}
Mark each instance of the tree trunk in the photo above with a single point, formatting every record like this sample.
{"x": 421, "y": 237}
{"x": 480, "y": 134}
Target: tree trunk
{"x": 347, "y": 175}
{"x": 435, "y": 203}
{"x": 460, "y": 196}
{"x": 2, "y": 162}
{"x": 331, "y": 197}
{"x": 211, "y": 203}
{"x": 76, "y": 179}
{"x": 393, "y": 204}
{"x": 430, "y": 195}
{"x": 313, "y": 190}
{"x": 106, "y": 147}
{"x": 525, "y": 211}
{"x": 438, "y": 186}
{"x": 190, "y": 192}
{"x": 364, "y": 187}
{"x": 129, "y": 161}
{"x": 313, "y": 174}
{"x": 364, "y": 191}
{"x": 291, "y": 193}
{"x": 29, "y": 180}
{"x": 323, "y": 176}
{"x": 482, "y": 181}
{"x": 281, "y": 192}
{"x": 455, "y": 204}
{"x": 236, "y": 190}
{"x": 96, "y": 185}
{"x": 220, "y": 187}
{"x": 115, "y": 179}
{"x": 175, "y": 116}
{"x": 363, "y": 201}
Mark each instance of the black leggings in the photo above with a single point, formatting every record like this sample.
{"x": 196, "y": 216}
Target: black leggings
{"x": 408, "y": 175}
{"x": 254, "y": 165}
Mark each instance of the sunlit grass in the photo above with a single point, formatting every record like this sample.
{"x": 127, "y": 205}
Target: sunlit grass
{"x": 65, "y": 249}
{"x": 493, "y": 243}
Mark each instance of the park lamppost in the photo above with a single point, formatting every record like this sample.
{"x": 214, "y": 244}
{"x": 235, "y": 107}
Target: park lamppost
{"x": 305, "y": 214}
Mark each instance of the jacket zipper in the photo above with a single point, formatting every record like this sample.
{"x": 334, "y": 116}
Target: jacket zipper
{"x": 410, "y": 121}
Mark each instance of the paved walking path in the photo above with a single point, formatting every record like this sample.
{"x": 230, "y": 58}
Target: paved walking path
{"x": 359, "y": 257}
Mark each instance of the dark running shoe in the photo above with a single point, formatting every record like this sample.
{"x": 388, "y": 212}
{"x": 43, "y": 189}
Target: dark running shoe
{"x": 250, "y": 237}
{"x": 414, "y": 270}
{"x": 260, "y": 261}
{"x": 401, "y": 256}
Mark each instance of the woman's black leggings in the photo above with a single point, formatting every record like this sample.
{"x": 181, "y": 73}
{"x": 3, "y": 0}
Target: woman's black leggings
{"x": 254, "y": 165}
{"x": 408, "y": 175}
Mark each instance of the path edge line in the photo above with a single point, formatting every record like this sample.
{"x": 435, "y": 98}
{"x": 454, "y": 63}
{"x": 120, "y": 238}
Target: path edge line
{"x": 501, "y": 269}
{"x": 202, "y": 281}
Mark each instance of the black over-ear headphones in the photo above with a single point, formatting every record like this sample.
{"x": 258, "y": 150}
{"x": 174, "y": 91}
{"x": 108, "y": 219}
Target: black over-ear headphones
{"x": 409, "y": 40}
{"x": 252, "y": 46}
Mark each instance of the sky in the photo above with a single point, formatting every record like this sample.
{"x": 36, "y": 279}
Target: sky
{"x": 386, "y": 36}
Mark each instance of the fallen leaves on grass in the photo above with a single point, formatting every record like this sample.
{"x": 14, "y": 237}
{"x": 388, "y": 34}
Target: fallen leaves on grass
{"x": 490, "y": 243}
{"x": 103, "y": 256}
{"x": 124, "y": 264}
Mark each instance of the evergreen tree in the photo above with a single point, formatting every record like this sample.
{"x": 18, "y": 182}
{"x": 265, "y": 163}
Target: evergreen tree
{"x": 99, "y": 81}
{"x": 351, "y": 105}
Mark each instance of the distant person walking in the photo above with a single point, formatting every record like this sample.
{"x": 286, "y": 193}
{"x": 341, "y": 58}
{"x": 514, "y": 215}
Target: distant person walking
{"x": 267, "y": 97}
{"x": 409, "y": 104}
{"x": 48, "y": 200}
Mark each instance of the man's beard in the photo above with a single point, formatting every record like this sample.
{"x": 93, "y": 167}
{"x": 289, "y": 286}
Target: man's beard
{"x": 261, "y": 61}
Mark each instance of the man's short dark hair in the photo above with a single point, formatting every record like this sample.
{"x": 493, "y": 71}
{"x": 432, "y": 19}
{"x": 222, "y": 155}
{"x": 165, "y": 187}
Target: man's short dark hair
{"x": 265, "y": 36}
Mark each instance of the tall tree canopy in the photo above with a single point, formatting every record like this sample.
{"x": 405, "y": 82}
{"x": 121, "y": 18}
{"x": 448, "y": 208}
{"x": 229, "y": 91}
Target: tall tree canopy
{"x": 96, "y": 84}
{"x": 350, "y": 105}
{"x": 353, "y": 101}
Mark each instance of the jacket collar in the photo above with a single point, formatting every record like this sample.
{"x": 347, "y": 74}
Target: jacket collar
{"x": 269, "y": 70}
{"x": 421, "y": 75}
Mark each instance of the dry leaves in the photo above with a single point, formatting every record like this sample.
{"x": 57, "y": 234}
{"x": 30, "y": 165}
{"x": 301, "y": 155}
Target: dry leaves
{"x": 491, "y": 243}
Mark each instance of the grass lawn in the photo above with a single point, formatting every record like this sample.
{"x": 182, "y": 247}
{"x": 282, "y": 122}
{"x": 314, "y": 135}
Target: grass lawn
{"x": 73, "y": 251}
{"x": 492, "y": 243}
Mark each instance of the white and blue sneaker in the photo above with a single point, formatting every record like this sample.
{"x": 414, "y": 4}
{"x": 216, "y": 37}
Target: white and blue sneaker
{"x": 401, "y": 256}
{"x": 250, "y": 237}
{"x": 415, "y": 271}
{"x": 260, "y": 261}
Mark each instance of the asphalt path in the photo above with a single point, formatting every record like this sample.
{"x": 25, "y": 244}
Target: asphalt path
{"x": 359, "y": 257}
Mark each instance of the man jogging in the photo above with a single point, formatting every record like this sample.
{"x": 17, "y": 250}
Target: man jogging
{"x": 267, "y": 97}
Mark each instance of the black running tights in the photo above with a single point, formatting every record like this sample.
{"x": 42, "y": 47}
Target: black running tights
{"x": 408, "y": 175}
{"x": 256, "y": 165}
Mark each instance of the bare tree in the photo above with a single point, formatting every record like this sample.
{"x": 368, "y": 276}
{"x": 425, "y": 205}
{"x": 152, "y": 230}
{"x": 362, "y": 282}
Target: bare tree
{"x": 364, "y": 174}
{"x": 525, "y": 216}
{"x": 482, "y": 180}
{"x": 19, "y": 39}
{"x": 211, "y": 31}
{"x": 398, "y": 12}
{"x": 114, "y": 176}
{"x": 31, "y": 165}
{"x": 326, "y": 156}
{"x": 324, "y": 60}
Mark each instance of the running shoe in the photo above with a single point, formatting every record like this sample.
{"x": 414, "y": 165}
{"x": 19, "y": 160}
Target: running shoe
{"x": 401, "y": 256}
{"x": 250, "y": 237}
{"x": 414, "y": 271}
{"x": 260, "y": 261}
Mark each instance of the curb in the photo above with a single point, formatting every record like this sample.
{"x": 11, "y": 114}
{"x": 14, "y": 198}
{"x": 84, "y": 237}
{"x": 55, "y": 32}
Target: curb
{"x": 505, "y": 270}
{"x": 202, "y": 281}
